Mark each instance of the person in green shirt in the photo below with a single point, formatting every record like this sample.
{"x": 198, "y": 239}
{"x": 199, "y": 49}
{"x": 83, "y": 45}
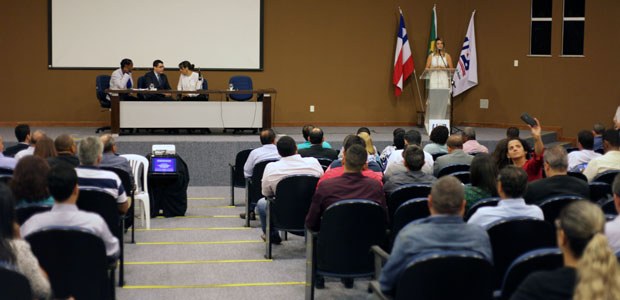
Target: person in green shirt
{"x": 483, "y": 174}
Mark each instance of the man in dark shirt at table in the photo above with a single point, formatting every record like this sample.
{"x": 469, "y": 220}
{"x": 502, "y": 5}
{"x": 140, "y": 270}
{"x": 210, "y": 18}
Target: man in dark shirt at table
{"x": 351, "y": 185}
{"x": 159, "y": 80}
{"x": 316, "y": 149}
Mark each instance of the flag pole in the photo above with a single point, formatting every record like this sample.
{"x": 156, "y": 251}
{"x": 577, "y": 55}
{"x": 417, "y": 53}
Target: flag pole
{"x": 415, "y": 78}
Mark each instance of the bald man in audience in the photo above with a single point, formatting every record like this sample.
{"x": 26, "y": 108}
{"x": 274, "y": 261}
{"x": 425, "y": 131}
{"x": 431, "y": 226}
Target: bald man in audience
{"x": 316, "y": 149}
{"x": 66, "y": 149}
{"x": 470, "y": 144}
{"x": 455, "y": 155}
{"x": 38, "y": 134}
{"x": 558, "y": 182}
{"x": 110, "y": 157}
{"x": 6, "y": 162}
{"x": 610, "y": 160}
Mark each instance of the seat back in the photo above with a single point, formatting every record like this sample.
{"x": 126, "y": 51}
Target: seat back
{"x": 240, "y": 159}
{"x": 103, "y": 204}
{"x": 241, "y": 83}
{"x": 524, "y": 265}
{"x": 325, "y": 162}
{"x": 125, "y": 179}
{"x": 6, "y": 175}
{"x": 606, "y": 177}
{"x": 578, "y": 175}
{"x": 292, "y": 202}
{"x": 463, "y": 176}
{"x": 348, "y": 229}
{"x": 254, "y": 185}
{"x": 141, "y": 85}
{"x": 411, "y": 210}
{"x": 599, "y": 191}
{"x": 469, "y": 276}
{"x": 13, "y": 284}
{"x": 609, "y": 207}
{"x": 447, "y": 170}
{"x": 404, "y": 193}
{"x": 24, "y": 213}
{"x": 102, "y": 83}
{"x": 512, "y": 237}
{"x": 140, "y": 168}
{"x": 75, "y": 260}
{"x": 552, "y": 206}
{"x": 481, "y": 203}
{"x": 438, "y": 155}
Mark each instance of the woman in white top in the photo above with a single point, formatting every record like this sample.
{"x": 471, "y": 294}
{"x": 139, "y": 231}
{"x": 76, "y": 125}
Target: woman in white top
{"x": 190, "y": 81}
{"x": 439, "y": 59}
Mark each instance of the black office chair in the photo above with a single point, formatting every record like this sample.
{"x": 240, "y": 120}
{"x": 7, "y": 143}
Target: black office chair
{"x": 578, "y": 175}
{"x": 253, "y": 188}
{"x": 512, "y": 237}
{"x": 481, "y": 203}
{"x": 609, "y": 207}
{"x": 342, "y": 246}
{"x": 128, "y": 218}
{"x": 530, "y": 262}
{"x": 105, "y": 205}
{"x": 241, "y": 83}
{"x": 606, "y": 177}
{"x": 102, "y": 83}
{"x": 237, "y": 178}
{"x": 14, "y": 285}
{"x": 24, "y": 213}
{"x": 75, "y": 261}
{"x": 407, "y": 212}
{"x": 552, "y": 206}
{"x": 288, "y": 209}
{"x": 448, "y": 170}
{"x": 425, "y": 278}
{"x": 600, "y": 191}
{"x": 404, "y": 193}
{"x": 437, "y": 155}
{"x": 600, "y": 151}
{"x": 141, "y": 85}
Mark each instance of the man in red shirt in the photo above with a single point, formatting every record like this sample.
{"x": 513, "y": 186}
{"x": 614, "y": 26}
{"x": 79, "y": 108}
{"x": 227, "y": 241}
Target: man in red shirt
{"x": 333, "y": 172}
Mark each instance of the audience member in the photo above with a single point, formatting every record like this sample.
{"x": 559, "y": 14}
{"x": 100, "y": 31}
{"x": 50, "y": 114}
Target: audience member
{"x": 610, "y": 160}
{"x": 337, "y": 169}
{"x": 45, "y": 148}
{"x": 557, "y": 181}
{"x": 398, "y": 144}
{"x": 36, "y": 135}
{"x": 590, "y": 267}
{"x": 66, "y": 149}
{"x": 439, "y": 136}
{"x": 512, "y": 133}
{"x": 350, "y": 185}
{"x": 305, "y": 131}
{"x": 612, "y": 228}
{"x": 111, "y": 159}
{"x": 316, "y": 148}
{"x": 90, "y": 151}
{"x": 121, "y": 80}
{"x": 597, "y": 131}
{"x": 29, "y": 183}
{"x": 6, "y": 162}
{"x": 443, "y": 230}
{"x": 15, "y": 251}
{"x": 22, "y": 133}
{"x": 514, "y": 151}
{"x": 577, "y": 160}
{"x": 413, "y": 161}
{"x": 372, "y": 150}
{"x": 267, "y": 151}
{"x": 511, "y": 185}
{"x": 483, "y": 175}
{"x": 62, "y": 183}
{"x": 360, "y": 130}
{"x": 395, "y": 161}
{"x": 470, "y": 144}
{"x": 455, "y": 155}
{"x": 291, "y": 163}
{"x": 158, "y": 80}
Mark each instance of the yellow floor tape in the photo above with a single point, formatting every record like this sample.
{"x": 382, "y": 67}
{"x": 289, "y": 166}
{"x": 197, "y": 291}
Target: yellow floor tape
{"x": 194, "y": 228}
{"x": 200, "y": 217}
{"x": 207, "y": 286}
{"x": 200, "y": 243}
{"x": 191, "y": 262}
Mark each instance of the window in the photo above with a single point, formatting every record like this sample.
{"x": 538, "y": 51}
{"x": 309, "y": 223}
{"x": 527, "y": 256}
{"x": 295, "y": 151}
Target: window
{"x": 540, "y": 35}
{"x": 573, "y": 27}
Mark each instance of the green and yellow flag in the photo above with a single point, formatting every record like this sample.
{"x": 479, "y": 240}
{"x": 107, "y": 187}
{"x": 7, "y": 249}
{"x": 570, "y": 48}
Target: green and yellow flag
{"x": 433, "y": 34}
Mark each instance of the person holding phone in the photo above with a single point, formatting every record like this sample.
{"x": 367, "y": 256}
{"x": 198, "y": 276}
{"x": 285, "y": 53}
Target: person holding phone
{"x": 514, "y": 150}
{"x": 190, "y": 81}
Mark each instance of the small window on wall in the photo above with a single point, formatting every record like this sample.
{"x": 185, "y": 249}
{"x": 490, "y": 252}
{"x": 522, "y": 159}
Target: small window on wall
{"x": 540, "y": 35}
{"x": 573, "y": 27}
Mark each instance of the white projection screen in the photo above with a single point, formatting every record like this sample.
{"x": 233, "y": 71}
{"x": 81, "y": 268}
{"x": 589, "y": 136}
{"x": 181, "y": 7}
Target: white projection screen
{"x": 211, "y": 34}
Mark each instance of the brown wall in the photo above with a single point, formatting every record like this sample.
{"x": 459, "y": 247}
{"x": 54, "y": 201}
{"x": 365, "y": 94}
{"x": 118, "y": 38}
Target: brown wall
{"x": 338, "y": 55}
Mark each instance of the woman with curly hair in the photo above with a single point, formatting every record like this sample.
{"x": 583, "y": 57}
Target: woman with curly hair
{"x": 439, "y": 136}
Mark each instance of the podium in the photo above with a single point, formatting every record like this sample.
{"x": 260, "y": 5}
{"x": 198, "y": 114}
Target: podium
{"x": 438, "y": 89}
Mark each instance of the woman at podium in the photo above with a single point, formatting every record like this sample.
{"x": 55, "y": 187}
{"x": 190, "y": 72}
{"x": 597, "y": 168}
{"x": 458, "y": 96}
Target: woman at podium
{"x": 439, "y": 60}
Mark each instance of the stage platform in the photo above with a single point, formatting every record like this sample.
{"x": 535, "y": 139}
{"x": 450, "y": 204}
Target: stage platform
{"x": 208, "y": 155}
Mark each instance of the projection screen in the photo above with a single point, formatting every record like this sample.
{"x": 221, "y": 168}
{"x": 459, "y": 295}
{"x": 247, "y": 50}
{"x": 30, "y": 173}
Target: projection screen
{"x": 211, "y": 34}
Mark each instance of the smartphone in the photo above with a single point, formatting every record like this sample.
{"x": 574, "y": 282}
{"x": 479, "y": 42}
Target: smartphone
{"x": 528, "y": 119}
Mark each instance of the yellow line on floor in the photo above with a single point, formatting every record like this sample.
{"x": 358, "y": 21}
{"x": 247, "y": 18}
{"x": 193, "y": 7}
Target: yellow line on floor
{"x": 190, "y": 262}
{"x": 199, "y": 243}
{"x": 206, "y": 198}
{"x": 200, "y": 217}
{"x": 210, "y": 206}
{"x": 194, "y": 228}
{"x": 208, "y": 286}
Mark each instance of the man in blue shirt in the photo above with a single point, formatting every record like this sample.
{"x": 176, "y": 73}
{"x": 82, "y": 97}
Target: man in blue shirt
{"x": 305, "y": 131}
{"x": 443, "y": 230}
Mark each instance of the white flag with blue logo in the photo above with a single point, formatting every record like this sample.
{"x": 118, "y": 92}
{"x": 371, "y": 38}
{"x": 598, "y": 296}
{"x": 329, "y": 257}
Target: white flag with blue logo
{"x": 466, "y": 73}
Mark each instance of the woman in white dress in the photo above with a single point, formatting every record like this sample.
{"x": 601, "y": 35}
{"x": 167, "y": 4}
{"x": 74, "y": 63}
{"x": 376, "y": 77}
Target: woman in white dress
{"x": 190, "y": 81}
{"x": 439, "y": 59}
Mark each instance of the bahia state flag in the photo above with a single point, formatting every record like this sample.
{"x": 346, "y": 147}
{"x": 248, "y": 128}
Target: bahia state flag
{"x": 466, "y": 73}
{"x": 403, "y": 61}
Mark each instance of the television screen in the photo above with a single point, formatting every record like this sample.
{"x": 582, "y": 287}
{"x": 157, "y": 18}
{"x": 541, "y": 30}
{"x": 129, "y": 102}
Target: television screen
{"x": 166, "y": 165}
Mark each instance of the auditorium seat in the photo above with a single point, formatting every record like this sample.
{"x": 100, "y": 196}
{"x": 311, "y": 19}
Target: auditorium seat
{"x": 102, "y": 83}
{"x": 536, "y": 260}
{"x": 14, "y": 285}
{"x": 599, "y": 191}
{"x": 237, "y": 178}
{"x": 449, "y": 170}
{"x": 404, "y": 193}
{"x": 606, "y": 177}
{"x": 24, "y": 213}
{"x": 552, "y": 206}
{"x": 411, "y": 210}
{"x": 480, "y": 203}
{"x": 253, "y": 188}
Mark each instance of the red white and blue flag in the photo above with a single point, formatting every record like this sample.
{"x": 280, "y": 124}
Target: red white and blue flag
{"x": 403, "y": 61}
